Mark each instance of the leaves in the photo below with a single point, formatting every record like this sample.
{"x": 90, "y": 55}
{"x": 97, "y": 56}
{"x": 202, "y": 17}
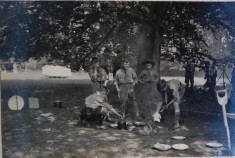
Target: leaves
{"x": 74, "y": 31}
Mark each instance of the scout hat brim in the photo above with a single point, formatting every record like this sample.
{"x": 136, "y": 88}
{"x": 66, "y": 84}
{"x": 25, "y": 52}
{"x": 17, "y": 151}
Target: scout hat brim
{"x": 161, "y": 84}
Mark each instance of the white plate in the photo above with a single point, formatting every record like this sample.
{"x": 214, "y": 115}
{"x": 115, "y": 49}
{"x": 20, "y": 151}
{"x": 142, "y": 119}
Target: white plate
{"x": 139, "y": 123}
{"x": 178, "y": 137}
{"x": 180, "y": 146}
{"x": 214, "y": 145}
{"x": 113, "y": 125}
{"x": 162, "y": 147}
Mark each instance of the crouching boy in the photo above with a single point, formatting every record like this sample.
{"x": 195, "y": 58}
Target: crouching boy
{"x": 97, "y": 108}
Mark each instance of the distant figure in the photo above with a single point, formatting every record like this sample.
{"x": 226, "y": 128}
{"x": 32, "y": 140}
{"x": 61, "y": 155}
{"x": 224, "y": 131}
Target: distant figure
{"x": 208, "y": 75}
{"x": 189, "y": 74}
{"x": 105, "y": 60}
{"x": 213, "y": 75}
{"x": 172, "y": 90}
{"x": 97, "y": 109}
{"x": 117, "y": 62}
{"x": 149, "y": 79}
{"x": 125, "y": 80}
{"x": 98, "y": 76}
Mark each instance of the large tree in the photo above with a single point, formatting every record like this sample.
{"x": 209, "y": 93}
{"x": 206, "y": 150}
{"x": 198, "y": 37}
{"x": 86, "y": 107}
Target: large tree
{"x": 74, "y": 31}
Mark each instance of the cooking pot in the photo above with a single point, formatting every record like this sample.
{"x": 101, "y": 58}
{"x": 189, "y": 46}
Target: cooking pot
{"x": 58, "y": 104}
{"x": 122, "y": 125}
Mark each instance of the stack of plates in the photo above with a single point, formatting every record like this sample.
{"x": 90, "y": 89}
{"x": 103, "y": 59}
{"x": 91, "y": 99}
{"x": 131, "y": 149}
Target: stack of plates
{"x": 180, "y": 146}
{"x": 162, "y": 147}
{"x": 178, "y": 137}
{"x": 113, "y": 125}
{"x": 140, "y": 124}
{"x": 214, "y": 145}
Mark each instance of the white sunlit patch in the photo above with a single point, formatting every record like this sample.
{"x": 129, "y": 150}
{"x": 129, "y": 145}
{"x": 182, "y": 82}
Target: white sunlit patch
{"x": 46, "y": 130}
{"x": 73, "y": 122}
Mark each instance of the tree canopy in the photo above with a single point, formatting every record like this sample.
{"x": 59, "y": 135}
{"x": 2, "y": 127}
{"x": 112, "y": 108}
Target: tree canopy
{"x": 73, "y": 31}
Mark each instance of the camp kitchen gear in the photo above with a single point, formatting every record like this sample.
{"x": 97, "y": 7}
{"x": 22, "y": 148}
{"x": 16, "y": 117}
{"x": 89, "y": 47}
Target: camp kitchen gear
{"x": 132, "y": 128}
{"x": 214, "y": 145}
{"x": 122, "y": 125}
{"x": 16, "y": 102}
{"x": 178, "y": 137}
{"x": 114, "y": 125}
{"x": 33, "y": 103}
{"x": 222, "y": 98}
{"x": 180, "y": 146}
{"x": 58, "y": 104}
{"x": 162, "y": 147}
{"x": 139, "y": 124}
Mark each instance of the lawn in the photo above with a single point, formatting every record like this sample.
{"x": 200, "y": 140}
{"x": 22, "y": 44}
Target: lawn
{"x": 54, "y": 133}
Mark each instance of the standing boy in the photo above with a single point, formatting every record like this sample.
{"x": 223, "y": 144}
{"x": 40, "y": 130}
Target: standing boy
{"x": 125, "y": 80}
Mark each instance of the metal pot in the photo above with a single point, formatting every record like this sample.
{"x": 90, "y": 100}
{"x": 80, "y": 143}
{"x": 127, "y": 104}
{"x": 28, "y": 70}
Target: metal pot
{"x": 58, "y": 104}
{"x": 122, "y": 125}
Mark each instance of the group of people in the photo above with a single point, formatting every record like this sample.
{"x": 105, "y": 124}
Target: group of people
{"x": 210, "y": 71}
{"x": 159, "y": 94}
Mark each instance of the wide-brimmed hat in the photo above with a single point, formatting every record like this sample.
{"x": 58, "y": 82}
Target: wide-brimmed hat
{"x": 125, "y": 60}
{"x": 148, "y": 62}
{"x": 94, "y": 58}
{"x": 161, "y": 84}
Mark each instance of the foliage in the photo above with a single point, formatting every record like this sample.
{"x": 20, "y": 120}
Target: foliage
{"x": 71, "y": 32}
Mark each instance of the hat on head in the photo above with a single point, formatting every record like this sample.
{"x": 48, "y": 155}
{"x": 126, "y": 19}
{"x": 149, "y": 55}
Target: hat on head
{"x": 161, "y": 84}
{"x": 148, "y": 62}
{"x": 107, "y": 50}
{"x": 94, "y": 58}
{"x": 124, "y": 60}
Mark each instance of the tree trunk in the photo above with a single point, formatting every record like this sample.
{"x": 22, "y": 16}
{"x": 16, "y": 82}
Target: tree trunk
{"x": 149, "y": 46}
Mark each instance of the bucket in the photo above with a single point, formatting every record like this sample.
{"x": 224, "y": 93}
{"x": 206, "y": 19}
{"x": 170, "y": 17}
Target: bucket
{"x": 122, "y": 125}
{"x": 58, "y": 104}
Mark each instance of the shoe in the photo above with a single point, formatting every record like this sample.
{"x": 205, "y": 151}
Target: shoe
{"x": 176, "y": 126}
{"x": 100, "y": 127}
{"x": 85, "y": 123}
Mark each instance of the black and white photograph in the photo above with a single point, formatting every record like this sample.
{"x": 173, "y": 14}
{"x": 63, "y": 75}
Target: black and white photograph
{"x": 107, "y": 79}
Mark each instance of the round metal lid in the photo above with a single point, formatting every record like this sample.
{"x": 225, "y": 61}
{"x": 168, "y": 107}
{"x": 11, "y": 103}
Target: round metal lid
{"x": 16, "y": 102}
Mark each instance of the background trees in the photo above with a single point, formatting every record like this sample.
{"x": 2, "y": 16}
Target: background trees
{"x": 72, "y": 32}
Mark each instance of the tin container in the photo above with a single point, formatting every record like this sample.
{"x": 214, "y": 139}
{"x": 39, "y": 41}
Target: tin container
{"x": 58, "y": 104}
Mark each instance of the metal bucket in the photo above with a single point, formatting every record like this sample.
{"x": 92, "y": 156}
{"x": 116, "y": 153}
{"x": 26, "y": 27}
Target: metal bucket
{"x": 58, "y": 104}
{"x": 122, "y": 125}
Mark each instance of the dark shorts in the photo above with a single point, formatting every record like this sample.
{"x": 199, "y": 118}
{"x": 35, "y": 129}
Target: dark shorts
{"x": 189, "y": 79}
{"x": 96, "y": 115}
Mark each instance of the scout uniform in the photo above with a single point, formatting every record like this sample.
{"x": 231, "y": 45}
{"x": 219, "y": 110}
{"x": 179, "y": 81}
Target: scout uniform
{"x": 97, "y": 108}
{"x": 98, "y": 77}
{"x": 149, "y": 79}
{"x": 105, "y": 60}
{"x": 125, "y": 80}
{"x": 173, "y": 90}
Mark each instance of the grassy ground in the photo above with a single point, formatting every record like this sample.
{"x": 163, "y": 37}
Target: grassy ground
{"x": 54, "y": 133}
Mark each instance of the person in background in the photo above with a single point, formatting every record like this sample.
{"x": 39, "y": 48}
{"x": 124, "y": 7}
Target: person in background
{"x": 98, "y": 76}
{"x": 189, "y": 74}
{"x": 213, "y": 75}
{"x": 97, "y": 109}
{"x": 105, "y": 60}
{"x": 149, "y": 79}
{"x": 172, "y": 90}
{"x": 124, "y": 81}
{"x": 208, "y": 75}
